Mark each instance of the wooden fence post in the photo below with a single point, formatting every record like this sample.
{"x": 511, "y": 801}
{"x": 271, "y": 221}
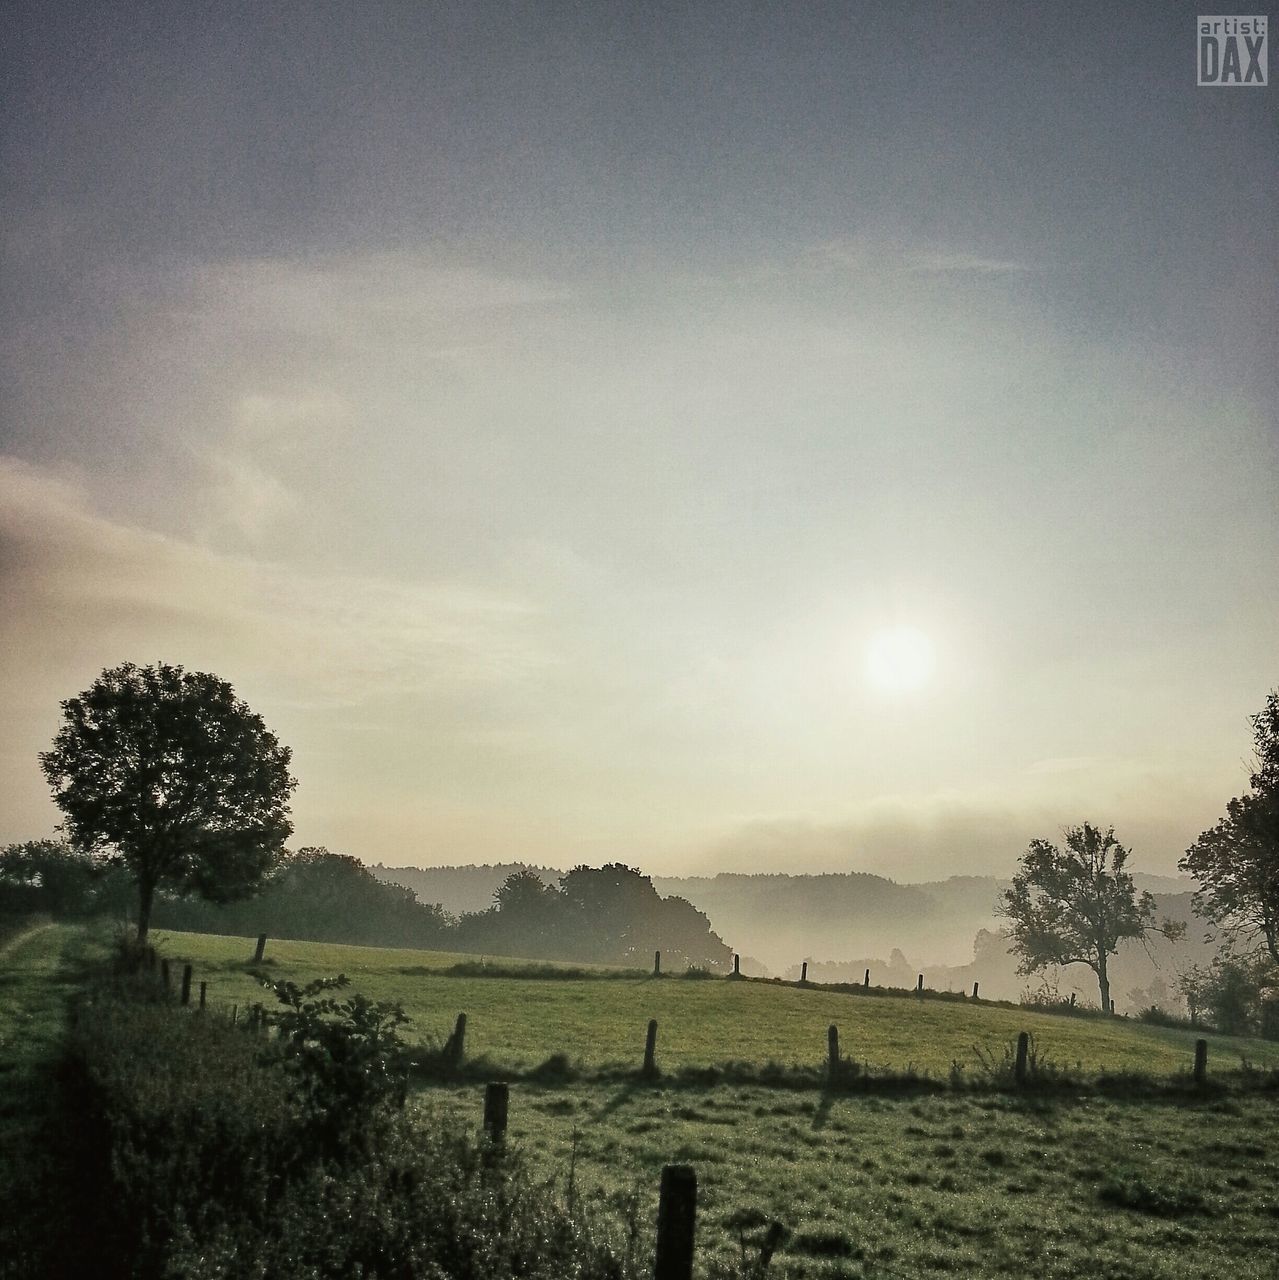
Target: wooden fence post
{"x": 455, "y": 1050}
{"x": 1072, "y": 999}
{"x": 204, "y": 991}
{"x": 832, "y": 1052}
{"x": 657, "y": 964}
{"x": 737, "y": 973}
{"x": 975, "y": 990}
{"x": 186, "y": 984}
{"x": 1201, "y": 1062}
{"x": 496, "y": 1106}
{"x": 261, "y": 949}
{"x": 803, "y": 971}
{"x": 866, "y": 979}
{"x": 650, "y": 1049}
{"x": 676, "y": 1224}
{"x": 772, "y": 1239}
{"x": 235, "y": 1014}
{"x": 1112, "y": 1008}
{"x": 1023, "y": 1049}
{"x": 919, "y": 986}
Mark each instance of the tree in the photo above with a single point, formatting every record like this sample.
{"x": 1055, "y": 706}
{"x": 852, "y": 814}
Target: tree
{"x": 47, "y": 875}
{"x": 169, "y": 774}
{"x": 1075, "y": 905}
{"x": 1237, "y": 861}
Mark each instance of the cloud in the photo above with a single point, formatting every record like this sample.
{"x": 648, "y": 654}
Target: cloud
{"x": 246, "y": 492}
{"x": 873, "y": 255}
{"x": 367, "y": 295}
{"x": 83, "y": 591}
{"x": 932, "y": 837}
{"x": 971, "y": 263}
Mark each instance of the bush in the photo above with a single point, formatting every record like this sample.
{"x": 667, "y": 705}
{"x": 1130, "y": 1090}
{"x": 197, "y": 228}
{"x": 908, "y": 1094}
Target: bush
{"x": 345, "y": 1058}
{"x": 211, "y": 1150}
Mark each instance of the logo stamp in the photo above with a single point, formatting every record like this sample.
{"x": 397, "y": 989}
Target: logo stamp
{"x": 1233, "y": 51}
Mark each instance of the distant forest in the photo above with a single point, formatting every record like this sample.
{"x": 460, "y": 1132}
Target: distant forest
{"x": 846, "y": 923}
{"x": 604, "y": 915}
{"x": 842, "y": 925}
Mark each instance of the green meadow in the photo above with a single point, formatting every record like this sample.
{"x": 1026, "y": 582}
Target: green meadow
{"x": 1160, "y": 1185}
{"x": 600, "y": 1021}
{"x": 875, "y": 1188}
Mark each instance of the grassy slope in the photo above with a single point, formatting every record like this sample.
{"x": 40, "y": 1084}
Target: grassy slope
{"x": 522, "y": 1022}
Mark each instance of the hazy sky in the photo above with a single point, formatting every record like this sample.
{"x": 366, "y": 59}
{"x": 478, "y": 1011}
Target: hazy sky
{"x": 536, "y": 411}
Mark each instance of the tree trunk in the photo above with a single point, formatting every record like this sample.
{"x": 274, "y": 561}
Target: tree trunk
{"x": 1103, "y": 981}
{"x": 146, "y": 892}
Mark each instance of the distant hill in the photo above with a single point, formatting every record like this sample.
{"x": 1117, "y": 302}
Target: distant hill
{"x": 846, "y": 922}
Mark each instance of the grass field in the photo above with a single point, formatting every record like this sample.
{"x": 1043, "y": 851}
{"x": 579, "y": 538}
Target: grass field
{"x": 518, "y": 1023}
{"x": 877, "y": 1187}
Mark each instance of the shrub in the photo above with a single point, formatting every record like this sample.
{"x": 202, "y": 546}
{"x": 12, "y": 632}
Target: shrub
{"x": 345, "y": 1058}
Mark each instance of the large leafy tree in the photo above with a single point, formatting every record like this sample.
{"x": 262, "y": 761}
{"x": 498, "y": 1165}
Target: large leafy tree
{"x": 1076, "y": 904}
{"x": 168, "y": 773}
{"x": 1237, "y": 861}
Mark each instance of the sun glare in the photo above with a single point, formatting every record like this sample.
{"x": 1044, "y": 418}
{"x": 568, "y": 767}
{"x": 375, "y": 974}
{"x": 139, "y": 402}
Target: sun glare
{"x": 899, "y": 659}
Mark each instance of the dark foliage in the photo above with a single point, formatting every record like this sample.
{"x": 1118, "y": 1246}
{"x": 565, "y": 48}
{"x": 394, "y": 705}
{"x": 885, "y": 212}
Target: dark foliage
{"x": 196, "y": 1154}
{"x": 323, "y": 897}
{"x": 1237, "y": 861}
{"x": 605, "y": 915}
{"x": 167, "y": 773}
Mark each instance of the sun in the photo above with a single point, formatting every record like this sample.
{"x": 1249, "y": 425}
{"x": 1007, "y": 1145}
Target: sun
{"x": 899, "y": 659}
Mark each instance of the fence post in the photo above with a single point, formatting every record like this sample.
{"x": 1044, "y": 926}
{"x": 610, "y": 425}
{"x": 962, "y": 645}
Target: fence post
{"x": 650, "y": 1049}
{"x": 832, "y": 1052}
{"x": 657, "y": 964}
{"x": 1023, "y": 1049}
{"x": 676, "y": 1224}
{"x": 1072, "y": 999}
{"x": 455, "y": 1050}
{"x": 261, "y": 949}
{"x": 803, "y": 971}
{"x": 975, "y": 990}
{"x": 919, "y": 986}
{"x": 186, "y": 984}
{"x": 866, "y": 979}
{"x": 496, "y": 1106}
{"x": 204, "y": 991}
{"x": 235, "y": 1014}
{"x": 1112, "y": 1007}
{"x": 1201, "y": 1062}
{"x": 772, "y": 1239}
{"x": 737, "y": 973}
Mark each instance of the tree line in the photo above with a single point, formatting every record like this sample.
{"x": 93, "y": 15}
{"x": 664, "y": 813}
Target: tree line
{"x": 169, "y": 777}
{"x": 603, "y": 915}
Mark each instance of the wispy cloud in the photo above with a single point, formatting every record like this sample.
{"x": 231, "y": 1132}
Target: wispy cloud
{"x": 964, "y": 263}
{"x": 318, "y": 638}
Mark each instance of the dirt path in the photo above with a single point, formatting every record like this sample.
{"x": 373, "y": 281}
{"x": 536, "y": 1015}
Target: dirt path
{"x": 25, "y": 936}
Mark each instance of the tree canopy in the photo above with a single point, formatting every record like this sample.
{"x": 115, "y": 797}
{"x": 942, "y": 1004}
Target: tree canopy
{"x": 169, "y": 774}
{"x": 1074, "y": 905}
{"x": 1237, "y": 861}
{"x": 606, "y": 915}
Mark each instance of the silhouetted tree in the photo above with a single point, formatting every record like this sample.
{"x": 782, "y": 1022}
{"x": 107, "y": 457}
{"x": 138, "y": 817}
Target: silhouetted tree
{"x": 322, "y": 896}
{"x": 169, "y": 774}
{"x": 528, "y": 915}
{"x": 1075, "y": 905}
{"x": 47, "y": 875}
{"x": 1237, "y": 861}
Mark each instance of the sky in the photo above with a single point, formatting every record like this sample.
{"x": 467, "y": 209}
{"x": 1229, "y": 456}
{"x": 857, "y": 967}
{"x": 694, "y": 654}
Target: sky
{"x": 539, "y": 412}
